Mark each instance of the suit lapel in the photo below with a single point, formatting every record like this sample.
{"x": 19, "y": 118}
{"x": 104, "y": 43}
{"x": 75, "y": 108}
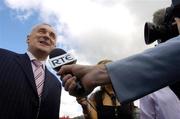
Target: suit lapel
{"x": 25, "y": 63}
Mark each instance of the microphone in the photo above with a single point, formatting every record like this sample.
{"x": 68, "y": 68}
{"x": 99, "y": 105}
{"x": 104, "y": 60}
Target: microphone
{"x": 57, "y": 58}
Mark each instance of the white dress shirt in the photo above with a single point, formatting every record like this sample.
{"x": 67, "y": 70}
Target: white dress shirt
{"x": 162, "y": 104}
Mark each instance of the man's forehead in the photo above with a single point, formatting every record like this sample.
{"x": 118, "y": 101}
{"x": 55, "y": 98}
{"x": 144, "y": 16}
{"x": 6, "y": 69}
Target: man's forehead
{"x": 43, "y": 26}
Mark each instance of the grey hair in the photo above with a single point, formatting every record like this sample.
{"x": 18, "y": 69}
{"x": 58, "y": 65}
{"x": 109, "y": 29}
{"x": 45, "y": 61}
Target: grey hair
{"x": 159, "y": 16}
{"x": 34, "y": 27}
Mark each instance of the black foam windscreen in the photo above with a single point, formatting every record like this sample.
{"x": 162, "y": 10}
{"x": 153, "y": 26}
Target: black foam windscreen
{"x": 57, "y": 58}
{"x": 56, "y": 52}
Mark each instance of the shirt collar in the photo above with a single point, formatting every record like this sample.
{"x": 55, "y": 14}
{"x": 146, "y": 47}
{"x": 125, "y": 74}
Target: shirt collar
{"x": 32, "y": 57}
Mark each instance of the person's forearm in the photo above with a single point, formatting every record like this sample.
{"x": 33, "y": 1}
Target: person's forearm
{"x": 144, "y": 73}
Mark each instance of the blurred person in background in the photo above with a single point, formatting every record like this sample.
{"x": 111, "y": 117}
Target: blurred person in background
{"x": 103, "y": 104}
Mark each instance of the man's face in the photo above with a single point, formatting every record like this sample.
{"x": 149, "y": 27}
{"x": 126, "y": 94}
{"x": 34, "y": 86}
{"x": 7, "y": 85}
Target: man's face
{"x": 42, "y": 40}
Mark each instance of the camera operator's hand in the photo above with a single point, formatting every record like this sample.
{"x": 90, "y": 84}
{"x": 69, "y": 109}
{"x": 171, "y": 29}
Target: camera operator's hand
{"x": 90, "y": 77}
{"x": 178, "y": 23}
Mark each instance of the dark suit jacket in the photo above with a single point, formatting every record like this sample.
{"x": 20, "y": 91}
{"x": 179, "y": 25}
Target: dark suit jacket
{"x": 141, "y": 74}
{"x": 18, "y": 94}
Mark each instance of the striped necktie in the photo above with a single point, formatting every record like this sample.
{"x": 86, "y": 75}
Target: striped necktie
{"x": 38, "y": 76}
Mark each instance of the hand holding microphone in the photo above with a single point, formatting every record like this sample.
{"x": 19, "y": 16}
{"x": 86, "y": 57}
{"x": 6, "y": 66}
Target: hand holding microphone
{"x": 89, "y": 76}
{"x": 57, "y": 58}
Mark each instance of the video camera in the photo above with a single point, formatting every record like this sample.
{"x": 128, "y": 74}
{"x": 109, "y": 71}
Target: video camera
{"x": 163, "y": 32}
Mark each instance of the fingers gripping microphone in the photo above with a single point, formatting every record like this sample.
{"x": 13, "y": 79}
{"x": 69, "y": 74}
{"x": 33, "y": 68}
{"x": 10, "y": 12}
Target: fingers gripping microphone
{"x": 57, "y": 58}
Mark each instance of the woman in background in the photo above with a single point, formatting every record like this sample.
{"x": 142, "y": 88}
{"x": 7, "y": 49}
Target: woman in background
{"x": 103, "y": 104}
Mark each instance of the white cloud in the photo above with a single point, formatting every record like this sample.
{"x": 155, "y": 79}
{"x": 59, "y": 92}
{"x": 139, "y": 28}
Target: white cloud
{"x": 69, "y": 106}
{"x": 94, "y": 29}
{"x": 22, "y": 16}
{"x": 23, "y": 4}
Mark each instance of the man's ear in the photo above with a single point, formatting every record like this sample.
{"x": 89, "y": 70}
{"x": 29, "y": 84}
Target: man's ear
{"x": 27, "y": 40}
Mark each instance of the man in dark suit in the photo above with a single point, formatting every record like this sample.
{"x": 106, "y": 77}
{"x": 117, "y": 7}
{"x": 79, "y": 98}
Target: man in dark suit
{"x": 21, "y": 95}
{"x": 132, "y": 77}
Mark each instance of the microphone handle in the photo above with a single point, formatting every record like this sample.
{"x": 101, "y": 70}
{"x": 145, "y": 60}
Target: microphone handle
{"x": 79, "y": 88}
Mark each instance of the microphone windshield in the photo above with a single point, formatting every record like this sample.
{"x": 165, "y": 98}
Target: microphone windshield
{"x": 56, "y": 52}
{"x": 58, "y": 57}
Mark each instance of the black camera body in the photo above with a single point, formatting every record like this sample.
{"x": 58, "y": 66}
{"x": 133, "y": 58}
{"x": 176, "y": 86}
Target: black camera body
{"x": 163, "y": 32}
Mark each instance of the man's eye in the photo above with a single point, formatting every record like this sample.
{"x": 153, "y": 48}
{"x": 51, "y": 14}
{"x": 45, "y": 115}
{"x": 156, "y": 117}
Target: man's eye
{"x": 42, "y": 31}
{"x": 52, "y": 35}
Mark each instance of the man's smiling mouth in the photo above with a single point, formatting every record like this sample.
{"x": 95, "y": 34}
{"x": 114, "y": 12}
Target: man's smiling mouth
{"x": 44, "y": 43}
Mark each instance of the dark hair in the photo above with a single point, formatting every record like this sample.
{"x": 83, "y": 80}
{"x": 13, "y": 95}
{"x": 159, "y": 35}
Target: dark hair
{"x": 159, "y": 16}
{"x": 126, "y": 111}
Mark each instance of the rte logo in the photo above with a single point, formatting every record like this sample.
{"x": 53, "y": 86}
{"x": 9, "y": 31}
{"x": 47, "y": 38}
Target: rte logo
{"x": 61, "y": 60}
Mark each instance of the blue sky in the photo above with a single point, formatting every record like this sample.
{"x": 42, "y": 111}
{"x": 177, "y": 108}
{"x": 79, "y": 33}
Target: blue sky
{"x": 13, "y": 32}
{"x": 91, "y": 30}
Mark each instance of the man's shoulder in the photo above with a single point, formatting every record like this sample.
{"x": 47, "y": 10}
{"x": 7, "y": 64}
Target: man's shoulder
{"x": 5, "y": 51}
{"x": 10, "y": 55}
